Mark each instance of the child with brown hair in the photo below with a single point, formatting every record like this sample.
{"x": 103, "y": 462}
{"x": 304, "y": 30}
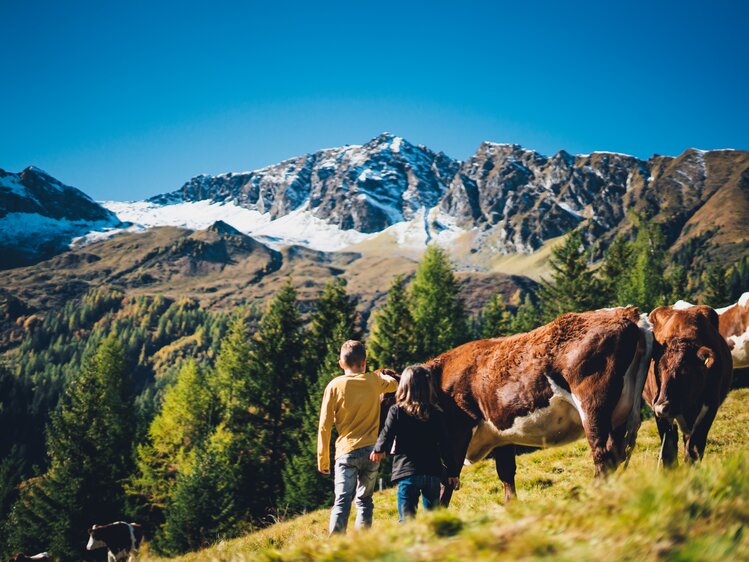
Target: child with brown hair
{"x": 351, "y": 402}
{"x": 415, "y": 432}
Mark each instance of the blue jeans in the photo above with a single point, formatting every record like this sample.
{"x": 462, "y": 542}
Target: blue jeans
{"x": 354, "y": 473}
{"x": 409, "y": 489}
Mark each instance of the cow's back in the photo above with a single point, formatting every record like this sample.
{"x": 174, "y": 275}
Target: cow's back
{"x": 508, "y": 379}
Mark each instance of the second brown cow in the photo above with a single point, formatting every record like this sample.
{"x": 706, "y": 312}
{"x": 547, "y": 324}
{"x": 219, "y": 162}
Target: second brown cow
{"x": 582, "y": 374}
{"x": 689, "y": 377}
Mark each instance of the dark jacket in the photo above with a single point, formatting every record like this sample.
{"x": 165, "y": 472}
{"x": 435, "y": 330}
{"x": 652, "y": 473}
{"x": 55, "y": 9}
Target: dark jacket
{"x": 420, "y": 446}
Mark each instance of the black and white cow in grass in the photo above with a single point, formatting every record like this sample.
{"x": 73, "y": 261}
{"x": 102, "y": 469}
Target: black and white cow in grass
{"x": 121, "y": 540}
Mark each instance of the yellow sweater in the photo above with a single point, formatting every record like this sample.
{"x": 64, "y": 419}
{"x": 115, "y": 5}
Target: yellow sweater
{"x": 352, "y": 403}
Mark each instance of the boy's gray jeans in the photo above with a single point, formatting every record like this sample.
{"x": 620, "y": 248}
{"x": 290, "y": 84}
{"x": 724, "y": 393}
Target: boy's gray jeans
{"x": 354, "y": 473}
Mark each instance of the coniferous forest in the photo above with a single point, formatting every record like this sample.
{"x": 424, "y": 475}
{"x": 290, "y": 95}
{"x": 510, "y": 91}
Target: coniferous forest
{"x": 202, "y": 425}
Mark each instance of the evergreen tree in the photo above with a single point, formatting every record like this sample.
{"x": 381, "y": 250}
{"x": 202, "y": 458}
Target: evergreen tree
{"x": 717, "y": 290}
{"x": 677, "y": 282}
{"x": 278, "y": 375}
{"x": 496, "y": 320}
{"x": 527, "y": 317}
{"x": 738, "y": 279}
{"x": 437, "y": 309}
{"x": 334, "y": 307}
{"x": 90, "y": 449}
{"x": 647, "y": 286}
{"x": 233, "y": 371}
{"x": 573, "y": 287}
{"x": 614, "y": 272}
{"x": 391, "y": 344}
{"x": 188, "y": 416}
{"x": 202, "y": 506}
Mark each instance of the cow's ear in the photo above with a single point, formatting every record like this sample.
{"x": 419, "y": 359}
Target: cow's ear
{"x": 659, "y": 315}
{"x": 706, "y": 355}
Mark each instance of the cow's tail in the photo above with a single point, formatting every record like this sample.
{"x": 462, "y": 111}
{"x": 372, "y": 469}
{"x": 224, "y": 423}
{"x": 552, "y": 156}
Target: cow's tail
{"x": 641, "y": 364}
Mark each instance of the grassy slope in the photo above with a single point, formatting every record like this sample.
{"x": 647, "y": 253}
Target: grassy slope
{"x": 563, "y": 514}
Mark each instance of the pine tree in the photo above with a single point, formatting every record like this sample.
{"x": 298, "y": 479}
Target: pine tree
{"x": 233, "y": 372}
{"x": 90, "y": 449}
{"x": 527, "y": 317}
{"x": 391, "y": 344}
{"x": 738, "y": 279}
{"x": 496, "y": 320}
{"x": 717, "y": 291}
{"x": 573, "y": 287}
{"x": 614, "y": 272}
{"x": 188, "y": 415}
{"x": 202, "y": 506}
{"x": 437, "y": 309}
{"x": 647, "y": 286}
{"x": 677, "y": 282}
{"x": 278, "y": 375}
{"x": 334, "y": 307}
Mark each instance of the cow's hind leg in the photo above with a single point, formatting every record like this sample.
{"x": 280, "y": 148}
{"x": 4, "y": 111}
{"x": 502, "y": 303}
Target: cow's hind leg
{"x": 617, "y": 444}
{"x": 597, "y": 429}
{"x": 504, "y": 460}
{"x": 669, "y": 441}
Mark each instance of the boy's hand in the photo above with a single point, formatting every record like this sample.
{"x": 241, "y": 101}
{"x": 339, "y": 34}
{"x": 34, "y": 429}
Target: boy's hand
{"x": 325, "y": 472}
{"x": 454, "y": 482}
{"x": 376, "y": 457}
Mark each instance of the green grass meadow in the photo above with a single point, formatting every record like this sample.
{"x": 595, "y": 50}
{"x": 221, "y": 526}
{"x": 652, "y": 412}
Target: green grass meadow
{"x": 562, "y": 513}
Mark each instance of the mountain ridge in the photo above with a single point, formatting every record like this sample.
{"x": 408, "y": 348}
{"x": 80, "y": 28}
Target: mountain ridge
{"x": 502, "y": 200}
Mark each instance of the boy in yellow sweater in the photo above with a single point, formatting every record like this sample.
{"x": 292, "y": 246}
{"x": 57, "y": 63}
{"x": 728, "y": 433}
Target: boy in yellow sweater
{"x": 352, "y": 402}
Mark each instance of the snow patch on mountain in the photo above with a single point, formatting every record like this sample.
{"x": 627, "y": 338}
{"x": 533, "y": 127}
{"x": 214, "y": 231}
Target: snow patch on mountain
{"x": 13, "y": 184}
{"x": 31, "y": 230}
{"x": 196, "y": 215}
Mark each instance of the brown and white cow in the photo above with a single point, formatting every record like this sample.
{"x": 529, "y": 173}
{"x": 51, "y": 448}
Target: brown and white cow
{"x": 688, "y": 379}
{"x": 734, "y": 327}
{"x": 121, "y": 540}
{"x": 41, "y": 557}
{"x": 582, "y": 374}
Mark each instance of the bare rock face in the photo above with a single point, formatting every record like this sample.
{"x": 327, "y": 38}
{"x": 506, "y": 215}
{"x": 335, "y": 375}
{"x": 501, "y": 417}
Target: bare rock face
{"x": 525, "y": 198}
{"x": 515, "y": 199}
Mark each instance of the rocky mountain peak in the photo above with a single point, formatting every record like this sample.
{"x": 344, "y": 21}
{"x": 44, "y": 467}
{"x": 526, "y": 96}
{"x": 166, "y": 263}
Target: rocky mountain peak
{"x": 39, "y": 215}
{"x": 224, "y": 229}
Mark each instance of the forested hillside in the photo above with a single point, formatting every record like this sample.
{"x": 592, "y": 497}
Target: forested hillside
{"x": 201, "y": 424}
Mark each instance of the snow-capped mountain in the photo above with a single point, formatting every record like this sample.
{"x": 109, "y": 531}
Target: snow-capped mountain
{"x": 364, "y": 188}
{"x": 504, "y": 199}
{"x": 39, "y": 216}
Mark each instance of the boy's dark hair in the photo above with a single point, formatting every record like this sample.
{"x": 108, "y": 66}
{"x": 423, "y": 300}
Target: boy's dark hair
{"x": 353, "y": 353}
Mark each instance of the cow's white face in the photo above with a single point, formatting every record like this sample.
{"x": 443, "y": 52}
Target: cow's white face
{"x": 93, "y": 543}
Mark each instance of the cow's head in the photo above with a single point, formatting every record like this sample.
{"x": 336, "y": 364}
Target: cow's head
{"x": 96, "y": 537}
{"x": 682, "y": 357}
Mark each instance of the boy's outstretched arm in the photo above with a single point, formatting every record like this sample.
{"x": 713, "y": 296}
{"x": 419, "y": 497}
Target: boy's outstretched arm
{"x": 324, "y": 430}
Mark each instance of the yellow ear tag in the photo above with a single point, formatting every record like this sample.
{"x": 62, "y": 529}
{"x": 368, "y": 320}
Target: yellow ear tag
{"x": 706, "y": 360}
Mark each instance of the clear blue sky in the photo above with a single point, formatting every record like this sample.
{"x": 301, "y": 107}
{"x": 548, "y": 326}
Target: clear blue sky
{"x": 127, "y": 99}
